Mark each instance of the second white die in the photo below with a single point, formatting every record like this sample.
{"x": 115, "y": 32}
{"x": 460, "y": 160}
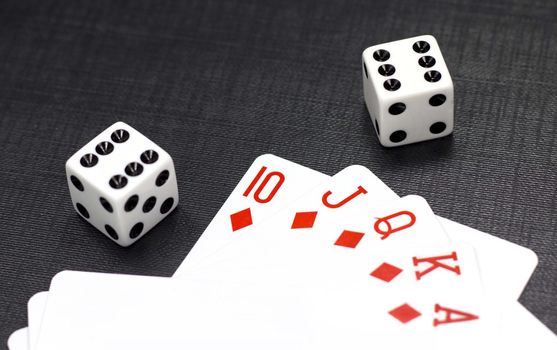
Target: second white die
{"x": 408, "y": 91}
{"x": 122, "y": 183}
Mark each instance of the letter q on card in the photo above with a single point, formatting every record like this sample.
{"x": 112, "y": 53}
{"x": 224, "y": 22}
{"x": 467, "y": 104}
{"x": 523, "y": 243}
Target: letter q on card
{"x": 399, "y": 221}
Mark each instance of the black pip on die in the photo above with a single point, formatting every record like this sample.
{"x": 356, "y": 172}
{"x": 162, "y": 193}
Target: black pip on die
{"x": 408, "y": 91}
{"x": 122, "y": 183}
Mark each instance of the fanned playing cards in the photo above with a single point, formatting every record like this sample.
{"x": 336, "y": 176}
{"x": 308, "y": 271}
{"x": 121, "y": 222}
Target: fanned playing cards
{"x": 296, "y": 259}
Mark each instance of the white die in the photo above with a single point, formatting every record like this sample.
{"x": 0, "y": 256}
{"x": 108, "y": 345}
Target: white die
{"x": 122, "y": 183}
{"x": 408, "y": 91}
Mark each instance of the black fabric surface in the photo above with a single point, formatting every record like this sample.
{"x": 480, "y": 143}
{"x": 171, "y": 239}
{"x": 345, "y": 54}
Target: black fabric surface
{"x": 218, "y": 83}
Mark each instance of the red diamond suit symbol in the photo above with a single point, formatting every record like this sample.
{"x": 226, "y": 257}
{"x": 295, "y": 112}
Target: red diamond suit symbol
{"x": 304, "y": 219}
{"x": 241, "y": 219}
{"x": 349, "y": 239}
{"x": 404, "y": 313}
{"x": 386, "y": 272}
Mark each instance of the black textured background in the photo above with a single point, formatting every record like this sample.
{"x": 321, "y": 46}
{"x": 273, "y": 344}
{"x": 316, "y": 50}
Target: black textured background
{"x": 217, "y": 83}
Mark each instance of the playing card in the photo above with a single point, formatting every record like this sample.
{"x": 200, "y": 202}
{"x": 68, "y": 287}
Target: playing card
{"x": 18, "y": 340}
{"x": 269, "y": 184}
{"x": 35, "y": 310}
{"x": 89, "y": 311}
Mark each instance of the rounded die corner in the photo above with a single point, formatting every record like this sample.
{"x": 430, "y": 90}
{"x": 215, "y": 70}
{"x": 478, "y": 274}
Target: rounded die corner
{"x": 427, "y": 36}
{"x": 367, "y": 52}
{"x": 119, "y": 124}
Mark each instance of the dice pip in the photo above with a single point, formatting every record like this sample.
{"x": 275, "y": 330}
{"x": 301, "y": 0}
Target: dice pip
{"x": 122, "y": 183}
{"x": 408, "y": 91}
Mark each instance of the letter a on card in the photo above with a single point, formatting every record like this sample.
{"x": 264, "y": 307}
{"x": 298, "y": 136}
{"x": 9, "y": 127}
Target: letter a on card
{"x": 459, "y": 316}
